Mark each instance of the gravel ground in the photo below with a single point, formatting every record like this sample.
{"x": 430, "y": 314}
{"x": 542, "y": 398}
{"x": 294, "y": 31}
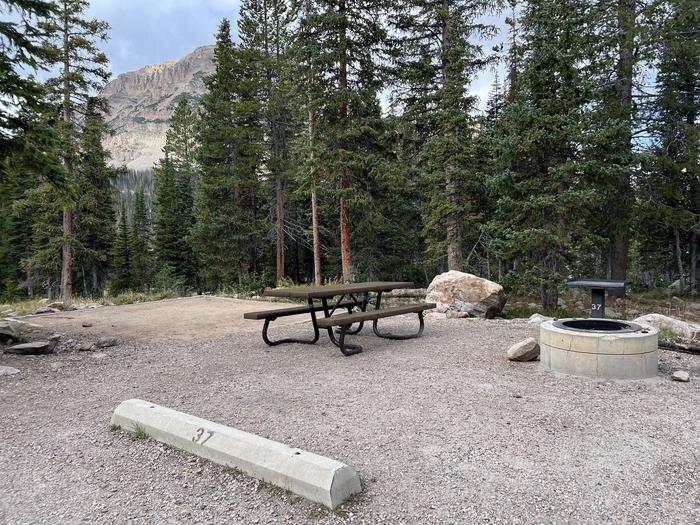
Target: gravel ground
{"x": 181, "y": 319}
{"x": 442, "y": 429}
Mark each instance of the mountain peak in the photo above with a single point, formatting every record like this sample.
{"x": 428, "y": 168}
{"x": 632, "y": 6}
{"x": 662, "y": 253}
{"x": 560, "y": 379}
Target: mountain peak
{"x": 141, "y": 103}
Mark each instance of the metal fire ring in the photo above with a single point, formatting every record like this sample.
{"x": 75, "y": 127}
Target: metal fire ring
{"x": 598, "y": 326}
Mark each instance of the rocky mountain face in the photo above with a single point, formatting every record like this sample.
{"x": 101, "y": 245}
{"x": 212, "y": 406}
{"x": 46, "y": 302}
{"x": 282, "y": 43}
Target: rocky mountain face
{"x": 141, "y": 103}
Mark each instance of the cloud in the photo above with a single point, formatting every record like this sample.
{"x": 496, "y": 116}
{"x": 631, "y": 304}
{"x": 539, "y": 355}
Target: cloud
{"x": 152, "y": 31}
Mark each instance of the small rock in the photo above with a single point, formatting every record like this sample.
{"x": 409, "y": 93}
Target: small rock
{"x": 56, "y": 366}
{"x": 681, "y": 375}
{"x": 456, "y": 314}
{"x": 85, "y": 347}
{"x": 526, "y": 350}
{"x": 104, "y": 342}
{"x": 37, "y": 347}
{"x": 45, "y": 310}
{"x": 58, "y": 305}
{"x": 86, "y": 324}
{"x": 539, "y": 318}
{"x": 55, "y": 337}
{"x": 8, "y": 371}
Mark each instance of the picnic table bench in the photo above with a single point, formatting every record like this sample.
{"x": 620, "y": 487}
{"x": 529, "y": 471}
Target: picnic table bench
{"x": 355, "y": 298}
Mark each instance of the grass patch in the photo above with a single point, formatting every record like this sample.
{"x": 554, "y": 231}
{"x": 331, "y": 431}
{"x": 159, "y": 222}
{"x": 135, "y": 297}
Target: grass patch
{"x": 233, "y": 470}
{"x": 115, "y": 428}
{"x": 140, "y": 433}
{"x": 667, "y": 333}
{"x": 29, "y": 306}
{"x": 141, "y": 297}
{"x": 518, "y": 312}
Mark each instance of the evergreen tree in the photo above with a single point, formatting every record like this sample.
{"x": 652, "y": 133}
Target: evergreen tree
{"x": 670, "y": 190}
{"x": 141, "y": 241}
{"x": 174, "y": 188}
{"x": 122, "y": 257}
{"x": 82, "y": 70}
{"x": 94, "y": 214}
{"x": 340, "y": 46}
{"x": 34, "y": 162}
{"x": 228, "y": 223}
{"x": 436, "y": 62}
{"x": 544, "y": 192}
{"x": 23, "y": 46}
{"x": 264, "y": 30}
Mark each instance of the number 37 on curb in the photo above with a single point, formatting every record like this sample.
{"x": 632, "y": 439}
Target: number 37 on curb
{"x": 201, "y": 436}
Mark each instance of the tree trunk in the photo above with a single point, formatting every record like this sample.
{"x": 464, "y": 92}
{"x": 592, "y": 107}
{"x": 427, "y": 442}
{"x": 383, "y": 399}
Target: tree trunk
{"x": 317, "y": 238}
{"x": 454, "y": 231}
{"x": 693, "y": 278}
{"x": 626, "y": 15}
{"x": 679, "y": 260}
{"x": 345, "y": 250}
{"x": 279, "y": 228}
{"x": 314, "y": 201}
{"x": 67, "y": 248}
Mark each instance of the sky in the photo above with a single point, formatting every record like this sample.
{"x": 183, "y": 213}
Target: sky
{"x": 147, "y": 32}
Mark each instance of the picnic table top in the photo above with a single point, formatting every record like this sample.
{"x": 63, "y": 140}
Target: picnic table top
{"x": 596, "y": 283}
{"x": 320, "y": 292}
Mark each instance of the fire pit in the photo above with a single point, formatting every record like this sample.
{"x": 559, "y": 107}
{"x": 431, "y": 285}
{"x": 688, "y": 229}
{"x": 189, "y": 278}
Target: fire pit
{"x": 599, "y": 348}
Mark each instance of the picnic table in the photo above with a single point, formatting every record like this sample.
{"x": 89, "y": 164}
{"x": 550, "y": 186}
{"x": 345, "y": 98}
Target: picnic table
{"x": 354, "y": 297}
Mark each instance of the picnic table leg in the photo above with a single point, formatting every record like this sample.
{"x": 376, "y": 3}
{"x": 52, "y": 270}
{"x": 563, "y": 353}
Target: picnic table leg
{"x": 389, "y": 335}
{"x": 363, "y": 307}
{"x": 317, "y": 334}
{"x": 347, "y": 349}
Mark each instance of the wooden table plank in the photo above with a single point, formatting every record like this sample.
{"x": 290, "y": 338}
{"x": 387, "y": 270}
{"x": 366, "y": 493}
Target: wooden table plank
{"x": 320, "y": 292}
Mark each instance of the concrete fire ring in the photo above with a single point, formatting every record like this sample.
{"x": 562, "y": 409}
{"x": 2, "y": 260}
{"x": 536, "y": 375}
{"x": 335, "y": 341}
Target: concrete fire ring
{"x": 626, "y": 354}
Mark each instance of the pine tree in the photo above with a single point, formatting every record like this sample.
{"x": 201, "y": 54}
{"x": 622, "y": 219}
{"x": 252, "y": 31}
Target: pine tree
{"x": 670, "y": 190}
{"x": 33, "y": 165}
{"x": 122, "y": 257}
{"x": 141, "y": 242}
{"x": 436, "y": 62}
{"x": 83, "y": 69}
{"x": 264, "y": 30}
{"x": 174, "y": 188}
{"x": 23, "y": 47}
{"x": 94, "y": 214}
{"x": 339, "y": 47}
{"x": 226, "y": 200}
{"x": 544, "y": 193}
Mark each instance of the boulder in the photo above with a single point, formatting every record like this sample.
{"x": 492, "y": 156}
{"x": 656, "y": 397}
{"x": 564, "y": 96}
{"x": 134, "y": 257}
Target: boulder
{"x": 8, "y": 371}
{"x": 681, "y": 375}
{"x": 672, "y": 325}
{"x": 464, "y": 292}
{"x": 527, "y": 350}
{"x": 12, "y": 330}
{"x": 34, "y": 348}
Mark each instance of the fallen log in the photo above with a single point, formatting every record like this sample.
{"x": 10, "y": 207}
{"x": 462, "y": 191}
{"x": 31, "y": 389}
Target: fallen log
{"x": 413, "y": 293}
{"x": 691, "y": 347}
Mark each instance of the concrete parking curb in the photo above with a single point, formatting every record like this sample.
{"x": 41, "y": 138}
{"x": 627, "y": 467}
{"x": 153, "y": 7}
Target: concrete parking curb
{"x": 314, "y": 477}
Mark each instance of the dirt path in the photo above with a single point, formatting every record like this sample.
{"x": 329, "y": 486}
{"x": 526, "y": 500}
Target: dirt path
{"x": 183, "y": 319}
